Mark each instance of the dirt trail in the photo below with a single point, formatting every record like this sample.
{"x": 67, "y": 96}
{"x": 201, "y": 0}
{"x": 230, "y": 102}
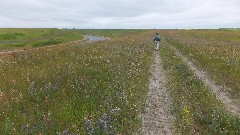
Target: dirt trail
{"x": 221, "y": 93}
{"x": 37, "y": 48}
{"x": 157, "y": 119}
{"x": 89, "y": 38}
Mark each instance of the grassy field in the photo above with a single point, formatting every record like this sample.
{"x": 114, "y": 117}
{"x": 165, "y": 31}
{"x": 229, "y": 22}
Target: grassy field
{"x": 101, "y": 87}
{"x": 88, "y": 88}
{"x": 197, "y": 111}
{"x": 215, "y": 51}
{"x": 112, "y": 33}
{"x": 26, "y": 38}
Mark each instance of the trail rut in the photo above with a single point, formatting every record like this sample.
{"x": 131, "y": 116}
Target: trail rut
{"x": 221, "y": 93}
{"x": 157, "y": 119}
{"x": 89, "y": 38}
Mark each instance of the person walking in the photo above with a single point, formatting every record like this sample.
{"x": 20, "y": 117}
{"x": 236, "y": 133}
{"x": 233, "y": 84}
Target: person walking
{"x": 157, "y": 39}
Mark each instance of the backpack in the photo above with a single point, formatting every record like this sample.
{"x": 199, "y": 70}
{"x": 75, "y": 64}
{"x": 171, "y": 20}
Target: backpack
{"x": 157, "y": 38}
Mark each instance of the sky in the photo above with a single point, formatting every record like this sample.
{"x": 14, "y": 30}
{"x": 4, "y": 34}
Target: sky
{"x": 120, "y": 14}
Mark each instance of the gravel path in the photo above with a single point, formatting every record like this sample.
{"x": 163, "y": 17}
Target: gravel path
{"x": 221, "y": 93}
{"x": 157, "y": 119}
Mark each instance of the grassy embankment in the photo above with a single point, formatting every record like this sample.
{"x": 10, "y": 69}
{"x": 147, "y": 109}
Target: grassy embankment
{"x": 19, "y": 38}
{"x": 215, "y": 51}
{"x": 196, "y": 110}
{"x": 87, "y": 88}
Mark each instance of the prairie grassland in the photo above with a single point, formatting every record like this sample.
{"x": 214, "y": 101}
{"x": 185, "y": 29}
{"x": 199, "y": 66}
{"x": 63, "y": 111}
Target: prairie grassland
{"x": 215, "y": 51}
{"x": 112, "y": 33}
{"x": 90, "y": 88}
{"x": 197, "y": 111}
{"x": 19, "y": 38}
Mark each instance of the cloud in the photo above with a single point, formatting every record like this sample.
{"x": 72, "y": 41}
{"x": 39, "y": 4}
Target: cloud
{"x": 120, "y": 13}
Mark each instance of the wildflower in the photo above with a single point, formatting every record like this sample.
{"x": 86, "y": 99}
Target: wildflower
{"x": 66, "y": 132}
{"x": 1, "y": 95}
{"x": 186, "y": 115}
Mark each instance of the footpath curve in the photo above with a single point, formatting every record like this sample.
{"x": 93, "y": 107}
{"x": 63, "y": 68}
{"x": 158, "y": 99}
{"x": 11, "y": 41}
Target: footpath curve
{"x": 89, "y": 38}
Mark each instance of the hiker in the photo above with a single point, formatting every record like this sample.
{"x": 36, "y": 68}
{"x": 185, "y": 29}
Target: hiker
{"x": 157, "y": 39}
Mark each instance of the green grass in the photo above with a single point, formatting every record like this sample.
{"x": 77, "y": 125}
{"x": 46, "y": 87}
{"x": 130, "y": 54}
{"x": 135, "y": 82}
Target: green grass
{"x": 19, "y": 38}
{"x": 10, "y": 36}
{"x": 27, "y": 38}
{"x": 196, "y": 110}
{"x": 47, "y": 42}
{"x": 92, "y": 87}
{"x": 215, "y": 51}
{"x": 112, "y": 33}
{"x": 101, "y": 87}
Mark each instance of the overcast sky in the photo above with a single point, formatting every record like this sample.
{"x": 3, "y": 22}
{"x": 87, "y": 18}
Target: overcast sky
{"x": 120, "y": 13}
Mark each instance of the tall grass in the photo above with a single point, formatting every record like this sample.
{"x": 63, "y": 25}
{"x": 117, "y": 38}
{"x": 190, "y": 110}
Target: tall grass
{"x": 197, "y": 111}
{"x": 90, "y": 88}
